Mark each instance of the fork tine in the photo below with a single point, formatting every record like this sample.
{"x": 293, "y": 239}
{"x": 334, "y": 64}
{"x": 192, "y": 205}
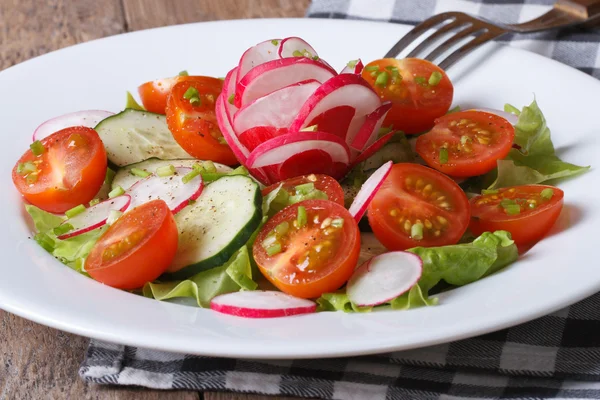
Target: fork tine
{"x": 467, "y": 48}
{"x": 451, "y": 41}
{"x": 417, "y": 31}
{"x": 436, "y": 35}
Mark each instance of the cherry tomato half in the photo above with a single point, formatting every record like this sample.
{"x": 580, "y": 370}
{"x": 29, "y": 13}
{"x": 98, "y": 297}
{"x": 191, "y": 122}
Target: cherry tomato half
{"x": 154, "y": 94}
{"x": 418, "y": 206}
{"x": 69, "y": 171}
{"x": 324, "y": 183}
{"x": 528, "y": 212}
{"x": 419, "y": 91}
{"x": 136, "y": 249}
{"x": 191, "y": 119}
{"x": 308, "y": 248}
{"x": 466, "y": 143}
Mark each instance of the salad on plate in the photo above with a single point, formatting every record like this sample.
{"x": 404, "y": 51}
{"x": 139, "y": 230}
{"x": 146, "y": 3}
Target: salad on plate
{"x": 288, "y": 188}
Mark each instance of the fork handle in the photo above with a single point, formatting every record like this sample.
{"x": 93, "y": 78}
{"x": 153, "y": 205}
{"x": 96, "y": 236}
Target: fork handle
{"x": 581, "y": 8}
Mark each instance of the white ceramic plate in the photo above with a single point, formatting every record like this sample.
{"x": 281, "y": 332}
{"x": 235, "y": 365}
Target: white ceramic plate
{"x": 560, "y": 270}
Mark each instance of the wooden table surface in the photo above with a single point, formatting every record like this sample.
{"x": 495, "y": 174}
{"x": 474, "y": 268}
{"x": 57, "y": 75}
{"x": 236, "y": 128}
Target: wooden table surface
{"x": 38, "y": 362}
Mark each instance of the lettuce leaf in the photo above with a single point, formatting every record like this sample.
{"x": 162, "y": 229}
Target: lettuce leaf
{"x": 457, "y": 265}
{"x": 234, "y": 276}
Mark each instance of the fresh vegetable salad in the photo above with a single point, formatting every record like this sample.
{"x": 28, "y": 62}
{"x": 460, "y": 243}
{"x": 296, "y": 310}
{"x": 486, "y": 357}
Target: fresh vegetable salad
{"x": 251, "y": 194}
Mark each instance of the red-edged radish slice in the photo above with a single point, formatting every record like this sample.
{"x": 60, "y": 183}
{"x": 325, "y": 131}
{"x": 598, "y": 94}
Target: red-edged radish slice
{"x": 238, "y": 149}
{"x": 383, "y": 278}
{"x": 229, "y": 89}
{"x": 368, "y": 190}
{"x": 291, "y": 45}
{"x": 281, "y": 148}
{"x": 277, "y": 109}
{"x": 95, "y": 216}
{"x": 88, "y": 118}
{"x": 254, "y": 137}
{"x": 311, "y": 162}
{"x": 367, "y": 135}
{"x": 276, "y": 74}
{"x": 346, "y": 90}
{"x": 171, "y": 189}
{"x": 374, "y": 148}
{"x": 512, "y": 118}
{"x": 357, "y": 69}
{"x": 261, "y": 304}
{"x": 257, "y": 55}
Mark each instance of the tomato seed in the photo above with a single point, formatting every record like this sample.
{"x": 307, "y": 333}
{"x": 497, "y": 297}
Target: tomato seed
{"x": 394, "y": 212}
{"x": 483, "y": 140}
{"x": 326, "y": 223}
{"x": 428, "y": 224}
{"x": 407, "y": 225}
{"x": 453, "y": 123}
{"x": 420, "y": 183}
{"x": 427, "y": 188}
{"x": 408, "y": 181}
{"x": 442, "y": 220}
{"x": 471, "y": 125}
{"x": 445, "y": 205}
{"x": 437, "y": 233}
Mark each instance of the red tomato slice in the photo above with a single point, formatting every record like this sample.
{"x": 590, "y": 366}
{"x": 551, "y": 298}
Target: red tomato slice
{"x": 69, "y": 172}
{"x": 466, "y": 143}
{"x": 313, "y": 258}
{"x": 324, "y": 183}
{"x": 418, "y": 206}
{"x": 527, "y": 212}
{"x": 136, "y": 249}
{"x": 194, "y": 124}
{"x": 419, "y": 91}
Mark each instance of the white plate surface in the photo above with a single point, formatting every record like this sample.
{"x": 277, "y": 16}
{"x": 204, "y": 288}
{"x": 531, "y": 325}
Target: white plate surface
{"x": 560, "y": 270}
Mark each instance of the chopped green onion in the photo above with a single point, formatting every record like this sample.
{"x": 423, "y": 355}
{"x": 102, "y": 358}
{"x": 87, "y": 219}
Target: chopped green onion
{"x": 394, "y": 72}
{"x": 282, "y": 228}
{"x": 241, "y": 170}
{"x": 382, "y": 79}
{"x": 421, "y": 80}
{"x": 191, "y": 201}
{"x": 45, "y": 241}
{"x": 191, "y": 92}
{"x": 531, "y": 205}
{"x": 512, "y": 109}
{"x": 26, "y": 168}
{"x": 110, "y": 174}
{"x": 305, "y": 188}
{"x": 453, "y": 110}
{"x": 464, "y": 139}
{"x": 507, "y": 202}
{"x": 62, "y": 229}
{"x": 231, "y": 98}
{"x": 131, "y": 103}
{"x": 489, "y": 191}
{"x": 75, "y": 211}
{"x": 274, "y": 42}
{"x": 372, "y": 68}
{"x": 547, "y": 193}
{"x": 337, "y": 223}
{"x": 139, "y": 172}
{"x": 416, "y": 231}
{"x": 435, "y": 78}
{"x": 190, "y": 175}
{"x": 443, "y": 155}
{"x": 312, "y": 128}
{"x": 113, "y": 216}
{"x": 315, "y": 58}
{"x": 93, "y": 202}
{"x": 221, "y": 140}
{"x": 31, "y": 178}
{"x": 352, "y": 63}
{"x": 116, "y": 192}
{"x": 209, "y": 166}
{"x": 384, "y": 131}
{"x": 184, "y": 73}
{"x": 37, "y": 148}
{"x": 512, "y": 209}
{"x": 195, "y": 101}
{"x": 302, "y": 218}
{"x": 269, "y": 240}
{"x": 165, "y": 170}
{"x": 273, "y": 249}
{"x": 297, "y": 53}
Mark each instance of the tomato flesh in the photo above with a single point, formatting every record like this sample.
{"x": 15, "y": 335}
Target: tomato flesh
{"x": 69, "y": 172}
{"x": 416, "y": 102}
{"x": 313, "y": 258}
{"x": 194, "y": 124}
{"x": 416, "y": 195}
{"x": 324, "y": 183}
{"x": 528, "y": 212}
{"x": 136, "y": 249}
{"x": 466, "y": 143}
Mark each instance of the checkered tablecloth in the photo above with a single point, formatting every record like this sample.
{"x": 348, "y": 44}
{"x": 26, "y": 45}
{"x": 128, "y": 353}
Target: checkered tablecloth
{"x": 553, "y": 357}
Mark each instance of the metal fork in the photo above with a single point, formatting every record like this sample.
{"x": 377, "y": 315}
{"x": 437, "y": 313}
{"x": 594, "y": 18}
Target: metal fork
{"x": 564, "y": 13}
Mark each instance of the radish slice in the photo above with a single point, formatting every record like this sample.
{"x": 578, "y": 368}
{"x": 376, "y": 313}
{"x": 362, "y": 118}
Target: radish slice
{"x": 257, "y": 55}
{"x": 289, "y": 46}
{"x": 342, "y": 90}
{"x": 367, "y": 135}
{"x": 254, "y": 137}
{"x": 95, "y": 216}
{"x": 277, "y": 109}
{"x": 512, "y": 118}
{"x": 276, "y": 74}
{"x": 357, "y": 69}
{"x": 229, "y": 89}
{"x": 261, "y": 304}
{"x": 383, "y": 278}
{"x": 281, "y": 148}
{"x": 89, "y": 118}
{"x": 171, "y": 189}
{"x": 368, "y": 190}
{"x": 374, "y": 148}
{"x": 238, "y": 149}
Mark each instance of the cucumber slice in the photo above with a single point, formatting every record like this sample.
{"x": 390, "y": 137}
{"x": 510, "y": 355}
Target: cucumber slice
{"x": 218, "y": 224}
{"x": 133, "y": 136}
{"x": 126, "y": 179}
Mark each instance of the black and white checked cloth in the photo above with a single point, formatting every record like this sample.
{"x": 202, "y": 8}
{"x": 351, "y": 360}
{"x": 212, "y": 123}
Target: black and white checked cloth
{"x": 553, "y": 357}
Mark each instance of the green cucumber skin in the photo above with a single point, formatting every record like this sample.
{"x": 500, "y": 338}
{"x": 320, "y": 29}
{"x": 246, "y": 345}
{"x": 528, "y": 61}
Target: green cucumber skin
{"x": 225, "y": 254}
